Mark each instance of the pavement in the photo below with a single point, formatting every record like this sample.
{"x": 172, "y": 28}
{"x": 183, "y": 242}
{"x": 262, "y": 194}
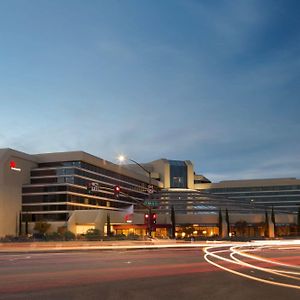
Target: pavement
{"x": 31, "y": 247}
{"x": 155, "y": 274}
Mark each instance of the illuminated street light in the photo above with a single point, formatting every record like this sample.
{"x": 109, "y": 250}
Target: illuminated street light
{"x": 122, "y": 158}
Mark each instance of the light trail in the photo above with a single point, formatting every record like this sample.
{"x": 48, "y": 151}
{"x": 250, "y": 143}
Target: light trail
{"x": 268, "y": 270}
{"x": 244, "y": 253}
{"x": 235, "y": 250}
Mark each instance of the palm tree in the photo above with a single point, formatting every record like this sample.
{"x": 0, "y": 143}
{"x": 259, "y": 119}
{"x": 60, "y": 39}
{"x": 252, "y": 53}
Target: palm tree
{"x": 220, "y": 223}
{"x": 108, "y": 225}
{"x": 266, "y": 224}
{"x": 273, "y": 220}
{"x": 173, "y": 221}
{"x": 298, "y": 221}
{"x": 227, "y": 221}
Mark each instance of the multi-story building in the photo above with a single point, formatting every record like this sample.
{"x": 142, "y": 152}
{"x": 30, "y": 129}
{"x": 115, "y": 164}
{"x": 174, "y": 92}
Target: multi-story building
{"x": 76, "y": 190}
{"x": 52, "y": 187}
{"x": 281, "y": 193}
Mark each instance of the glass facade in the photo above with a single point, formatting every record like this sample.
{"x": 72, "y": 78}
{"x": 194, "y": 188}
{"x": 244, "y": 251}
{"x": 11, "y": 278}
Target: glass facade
{"x": 281, "y": 197}
{"x": 199, "y": 203}
{"x": 178, "y": 174}
{"x": 58, "y": 188}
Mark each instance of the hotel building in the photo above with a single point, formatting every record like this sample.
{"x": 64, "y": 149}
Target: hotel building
{"x": 76, "y": 190}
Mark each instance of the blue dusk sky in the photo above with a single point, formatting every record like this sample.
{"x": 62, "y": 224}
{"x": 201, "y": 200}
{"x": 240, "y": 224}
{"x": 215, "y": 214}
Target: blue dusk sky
{"x": 215, "y": 82}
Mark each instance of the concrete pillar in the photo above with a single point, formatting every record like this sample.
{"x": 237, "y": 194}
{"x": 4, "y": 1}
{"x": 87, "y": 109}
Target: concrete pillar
{"x": 71, "y": 224}
{"x": 101, "y": 220}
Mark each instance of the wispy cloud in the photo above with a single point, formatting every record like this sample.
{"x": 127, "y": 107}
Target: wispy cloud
{"x": 216, "y": 83}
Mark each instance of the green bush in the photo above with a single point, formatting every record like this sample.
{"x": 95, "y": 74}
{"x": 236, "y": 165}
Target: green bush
{"x": 53, "y": 236}
{"x": 93, "y": 234}
{"x": 132, "y": 236}
{"x": 120, "y": 237}
{"x": 69, "y": 236}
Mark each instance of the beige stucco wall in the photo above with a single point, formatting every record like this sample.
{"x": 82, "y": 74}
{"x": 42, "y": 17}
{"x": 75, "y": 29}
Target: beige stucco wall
{"x": 162, "y": 167}
{"x": 190, "y": 174}
{"x": 11, "y": 188}
{"x": 98, "y": 218}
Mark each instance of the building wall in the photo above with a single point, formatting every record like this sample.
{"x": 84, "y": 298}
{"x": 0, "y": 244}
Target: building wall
{"x": 11, "y": 188}
{"x": 282, "y": 193}
{"x": 190, "y": 174}
{"x": 11, "y": 183}
{"x": 162, "y": 167}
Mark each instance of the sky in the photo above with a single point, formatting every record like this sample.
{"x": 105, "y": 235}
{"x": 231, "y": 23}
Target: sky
{"x": 214, "y": 82}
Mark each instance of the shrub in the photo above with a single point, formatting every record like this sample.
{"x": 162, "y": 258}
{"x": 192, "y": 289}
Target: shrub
{"x": 120, "y": 237}
{"x": 132, "y": 236}
{"x": 62, "y": 229}
{"x": 41, "y": 227}
{"x": 69, "y": 236}
{"x": 54, "y": 236}
{"x": 93, "y": 234}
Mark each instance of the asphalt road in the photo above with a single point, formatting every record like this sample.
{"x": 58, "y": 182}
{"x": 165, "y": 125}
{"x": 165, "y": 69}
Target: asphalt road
{"x": 139, "y": 274}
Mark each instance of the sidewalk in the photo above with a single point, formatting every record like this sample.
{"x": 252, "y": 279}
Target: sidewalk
{"x": 30, "y": 247}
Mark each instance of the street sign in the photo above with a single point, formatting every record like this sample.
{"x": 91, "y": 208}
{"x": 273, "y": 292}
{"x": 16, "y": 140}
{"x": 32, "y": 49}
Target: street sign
{"x": 150, "y": 189}
{"x": 93, "y": 187}
{"x": 151, "y": 203}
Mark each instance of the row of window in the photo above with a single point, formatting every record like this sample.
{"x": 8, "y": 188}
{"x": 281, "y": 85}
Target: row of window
{"x": 30, "y": 199}
{"x": 262, "y": 194}
{"x": 65, "y": 175}
{"x": 89, "y": 167}
{"x": 108, "y": 194}
{"x": 257, "y": 188}
{"x": 45, "y": 217}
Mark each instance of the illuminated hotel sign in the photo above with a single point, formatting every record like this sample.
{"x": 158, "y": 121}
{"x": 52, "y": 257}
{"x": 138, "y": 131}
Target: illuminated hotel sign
{"x": 13, "y": 166}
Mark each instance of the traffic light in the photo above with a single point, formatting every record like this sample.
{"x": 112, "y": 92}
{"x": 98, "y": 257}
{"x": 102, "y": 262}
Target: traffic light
{"x": 117, "y": 191}
{"x": 146, "y": 218}
{"x": 153, "y": 218}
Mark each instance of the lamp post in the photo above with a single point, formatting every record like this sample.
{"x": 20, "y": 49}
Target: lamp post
{"x": 122, "y": 158}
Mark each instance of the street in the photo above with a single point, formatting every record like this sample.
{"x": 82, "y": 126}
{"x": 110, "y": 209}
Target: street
{"x": 150, "y": 274}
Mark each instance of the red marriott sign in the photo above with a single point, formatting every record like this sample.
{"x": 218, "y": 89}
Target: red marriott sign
{"x": 13, "y": 166}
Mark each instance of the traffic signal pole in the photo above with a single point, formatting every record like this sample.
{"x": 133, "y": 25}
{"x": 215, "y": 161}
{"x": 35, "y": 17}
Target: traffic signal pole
{"x": 149, "y": 197}
{"x": 149, "y": 209}
{"x": 122, "y": 158}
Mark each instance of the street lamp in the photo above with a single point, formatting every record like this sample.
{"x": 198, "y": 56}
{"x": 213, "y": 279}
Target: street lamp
{"x": 121, "y": 159}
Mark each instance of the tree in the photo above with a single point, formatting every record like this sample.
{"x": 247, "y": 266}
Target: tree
{"x": 20, "y": 223}
{"x": 173, "y": 221}
{"x": 298, "y": 221}
{"x": 41, "y": 227}
{"x": 227, "y": 221}
{"x": 108, "y": 224}
{"x": 266, "y": 224}
{"x": 220, "y": 223}
{"x": 273, "y": 220}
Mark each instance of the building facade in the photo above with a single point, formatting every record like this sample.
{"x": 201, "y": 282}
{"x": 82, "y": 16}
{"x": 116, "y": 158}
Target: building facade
{"x": 76, "y": 190}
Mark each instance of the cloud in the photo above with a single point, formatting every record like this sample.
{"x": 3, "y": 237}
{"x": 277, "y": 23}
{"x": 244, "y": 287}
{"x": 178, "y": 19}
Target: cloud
{"x": 216, "y": 83}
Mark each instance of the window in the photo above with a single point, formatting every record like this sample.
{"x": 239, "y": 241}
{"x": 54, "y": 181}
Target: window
{"x": 178, "y": 174}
